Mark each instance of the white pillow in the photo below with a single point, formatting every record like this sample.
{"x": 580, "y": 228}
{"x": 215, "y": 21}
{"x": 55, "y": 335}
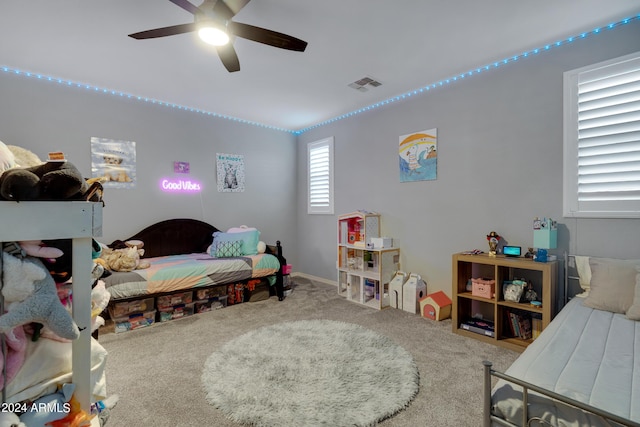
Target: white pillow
{"x": 613, "y": 283}
{"x": 634, "y": 311}
{"x": 584, "y": 273}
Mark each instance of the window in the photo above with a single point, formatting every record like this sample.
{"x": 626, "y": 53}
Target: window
{"x": 602, "y": 140}
{"x": 320, "y": 175}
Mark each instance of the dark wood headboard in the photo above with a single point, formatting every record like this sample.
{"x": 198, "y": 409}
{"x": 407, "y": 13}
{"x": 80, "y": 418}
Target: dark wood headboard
{"x": 175, "y": 236}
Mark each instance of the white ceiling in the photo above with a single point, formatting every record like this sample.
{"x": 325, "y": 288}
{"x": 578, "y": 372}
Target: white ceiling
{"x": 404, "y": 44}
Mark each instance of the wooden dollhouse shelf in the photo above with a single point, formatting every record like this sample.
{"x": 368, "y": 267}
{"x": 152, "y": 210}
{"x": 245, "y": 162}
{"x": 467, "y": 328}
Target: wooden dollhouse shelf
{"x": 364, "y": 273}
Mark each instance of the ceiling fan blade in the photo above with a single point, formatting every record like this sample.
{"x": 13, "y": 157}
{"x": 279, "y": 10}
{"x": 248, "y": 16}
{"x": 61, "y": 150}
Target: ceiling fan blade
{"x": 187, "y": 6}
{"x": 229, "y": 58}
{"x": 229, "y": 8}
{"x": 164, "y": 31}
{"x": 269, "y": 37}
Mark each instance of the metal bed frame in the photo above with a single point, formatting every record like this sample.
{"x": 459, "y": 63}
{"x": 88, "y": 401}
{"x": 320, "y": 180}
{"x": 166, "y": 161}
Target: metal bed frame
{"x": 489, "y": 373}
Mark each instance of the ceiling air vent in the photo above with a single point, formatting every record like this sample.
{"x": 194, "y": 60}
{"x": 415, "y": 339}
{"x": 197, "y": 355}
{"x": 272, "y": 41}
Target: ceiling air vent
{"x": 364, "y": 83}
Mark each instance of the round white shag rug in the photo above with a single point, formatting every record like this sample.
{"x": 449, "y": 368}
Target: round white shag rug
{"x": 310, "y": 373}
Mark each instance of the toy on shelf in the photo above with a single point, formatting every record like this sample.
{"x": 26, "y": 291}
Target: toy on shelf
{"x": 395, "y": 289}
{"x": 357, "y": 228}
{"x": 436, "y": 306}
{"x": 413, "y": 290}
{"x": 545, "y": 236}
{"x": 493, "y": 239}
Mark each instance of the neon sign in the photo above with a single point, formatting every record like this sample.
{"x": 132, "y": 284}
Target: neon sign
{"x": 180, "y": 185}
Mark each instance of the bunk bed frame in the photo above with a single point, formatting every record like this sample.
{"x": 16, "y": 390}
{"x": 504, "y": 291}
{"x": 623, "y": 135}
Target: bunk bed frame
{"x": 79, "y": 221}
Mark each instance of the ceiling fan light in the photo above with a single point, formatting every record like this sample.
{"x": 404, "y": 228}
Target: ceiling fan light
{"x": 213, "y": 36}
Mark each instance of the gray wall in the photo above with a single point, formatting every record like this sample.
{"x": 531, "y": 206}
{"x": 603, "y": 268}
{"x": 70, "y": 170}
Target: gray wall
{"x": 44, "y": 116}
{"x": 499, "y": 166}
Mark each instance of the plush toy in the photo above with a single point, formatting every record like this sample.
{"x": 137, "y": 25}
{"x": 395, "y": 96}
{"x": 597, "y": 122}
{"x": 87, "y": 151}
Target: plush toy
{"x": 19, "y": 278}
{"x": 9, "y": 419}
{"x": 61, "y": 267}
{"x": 124, "y": 258}
{"x": 41, "y": 304}
{"x": 75, "y": 417}
{"x": 38, "y": 249}
{"x": 16, "y": 342}
{"x": 47, "y": 181}
{"x": 12, "y": 156}
{"x": 54, "y": 406}
{"x": 100, "y": 298}
{"x": 7, "y": 158}
{"x": 23, "y": 176}
{"x": 493, "y": 238}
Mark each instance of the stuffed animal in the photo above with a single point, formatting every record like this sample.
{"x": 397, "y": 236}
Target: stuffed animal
{"x": 16, "y": 342}
{"x": 55, "y": 406}
{"x": 38, "y": 249}
{"x": 125, "y": 259}
{"x": 23, "y": 176}
{"x": 47, "y": 181}
{"x": 7, "y": 158}
{"x": 100, "y": 298}
{"x": 74, "y": 417}
{"x": 61, "y": 267}
{"x": 19, "y": 278}
{"x": 12, "y": 156}
{"x": 9, "y": 419}
{"x": 33, "y": 297}
{"x": 123, "y": 256}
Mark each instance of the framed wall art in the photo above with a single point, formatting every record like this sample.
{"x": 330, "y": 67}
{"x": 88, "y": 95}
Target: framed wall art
{"x": 418, "y": 156}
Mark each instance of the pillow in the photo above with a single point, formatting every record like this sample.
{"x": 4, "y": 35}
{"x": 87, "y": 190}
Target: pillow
{"x": 241, "y": 229}
{"x": 232, "y": 248}
{"x": 219, "y": 237}
{"x": 613, "y": 283}
{"x": 249, "y": 237}
{"x": 634, "y": 311}
{"x": 584, "y": 273}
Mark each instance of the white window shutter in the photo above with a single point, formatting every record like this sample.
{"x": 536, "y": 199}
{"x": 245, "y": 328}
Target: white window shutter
{"x": 602, "y": 140}
{"x": 320, "y": 176}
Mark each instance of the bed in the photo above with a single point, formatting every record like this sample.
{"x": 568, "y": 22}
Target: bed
{"x": 584, "y": 368}
{"x": 179, "y": 254}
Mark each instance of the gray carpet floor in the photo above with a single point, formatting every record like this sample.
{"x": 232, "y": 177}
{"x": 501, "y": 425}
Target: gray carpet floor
{"x": 156, "y": 370}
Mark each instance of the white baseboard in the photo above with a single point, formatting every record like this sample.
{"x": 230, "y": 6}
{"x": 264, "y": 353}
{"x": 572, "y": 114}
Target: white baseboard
{"x": 314, "y": 278}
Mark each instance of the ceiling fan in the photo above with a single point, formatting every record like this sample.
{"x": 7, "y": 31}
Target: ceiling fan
{"x": 213, "y": 17}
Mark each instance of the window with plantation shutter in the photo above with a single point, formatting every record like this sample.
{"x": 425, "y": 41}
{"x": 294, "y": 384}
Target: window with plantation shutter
{"x": 602, "y": 140}
{"x": 320, "y": 175}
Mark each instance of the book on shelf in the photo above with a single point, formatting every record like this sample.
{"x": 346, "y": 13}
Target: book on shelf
{"x": 513, "y": 324}
{"x": 520, "y": 324}
{"x": 524, "y": 323}
{"x": 536, "y": 326}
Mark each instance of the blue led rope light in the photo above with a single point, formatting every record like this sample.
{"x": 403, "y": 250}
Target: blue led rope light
{"x": 112, "y": 92}
{"x": 398, "y": 98}
{"x": 475, "y": 71}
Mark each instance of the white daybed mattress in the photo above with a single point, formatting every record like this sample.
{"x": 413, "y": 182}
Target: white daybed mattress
{"x": 589, "y": 355}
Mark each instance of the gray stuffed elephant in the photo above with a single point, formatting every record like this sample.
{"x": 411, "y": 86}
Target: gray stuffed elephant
{"x": 31, "y": 295}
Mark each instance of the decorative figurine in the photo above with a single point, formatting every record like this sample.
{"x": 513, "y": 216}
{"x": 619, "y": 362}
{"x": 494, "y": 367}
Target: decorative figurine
{"x": 493, "y": 239}
{"x": 531, "y": 253}
{"x": 530, "y": 295}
